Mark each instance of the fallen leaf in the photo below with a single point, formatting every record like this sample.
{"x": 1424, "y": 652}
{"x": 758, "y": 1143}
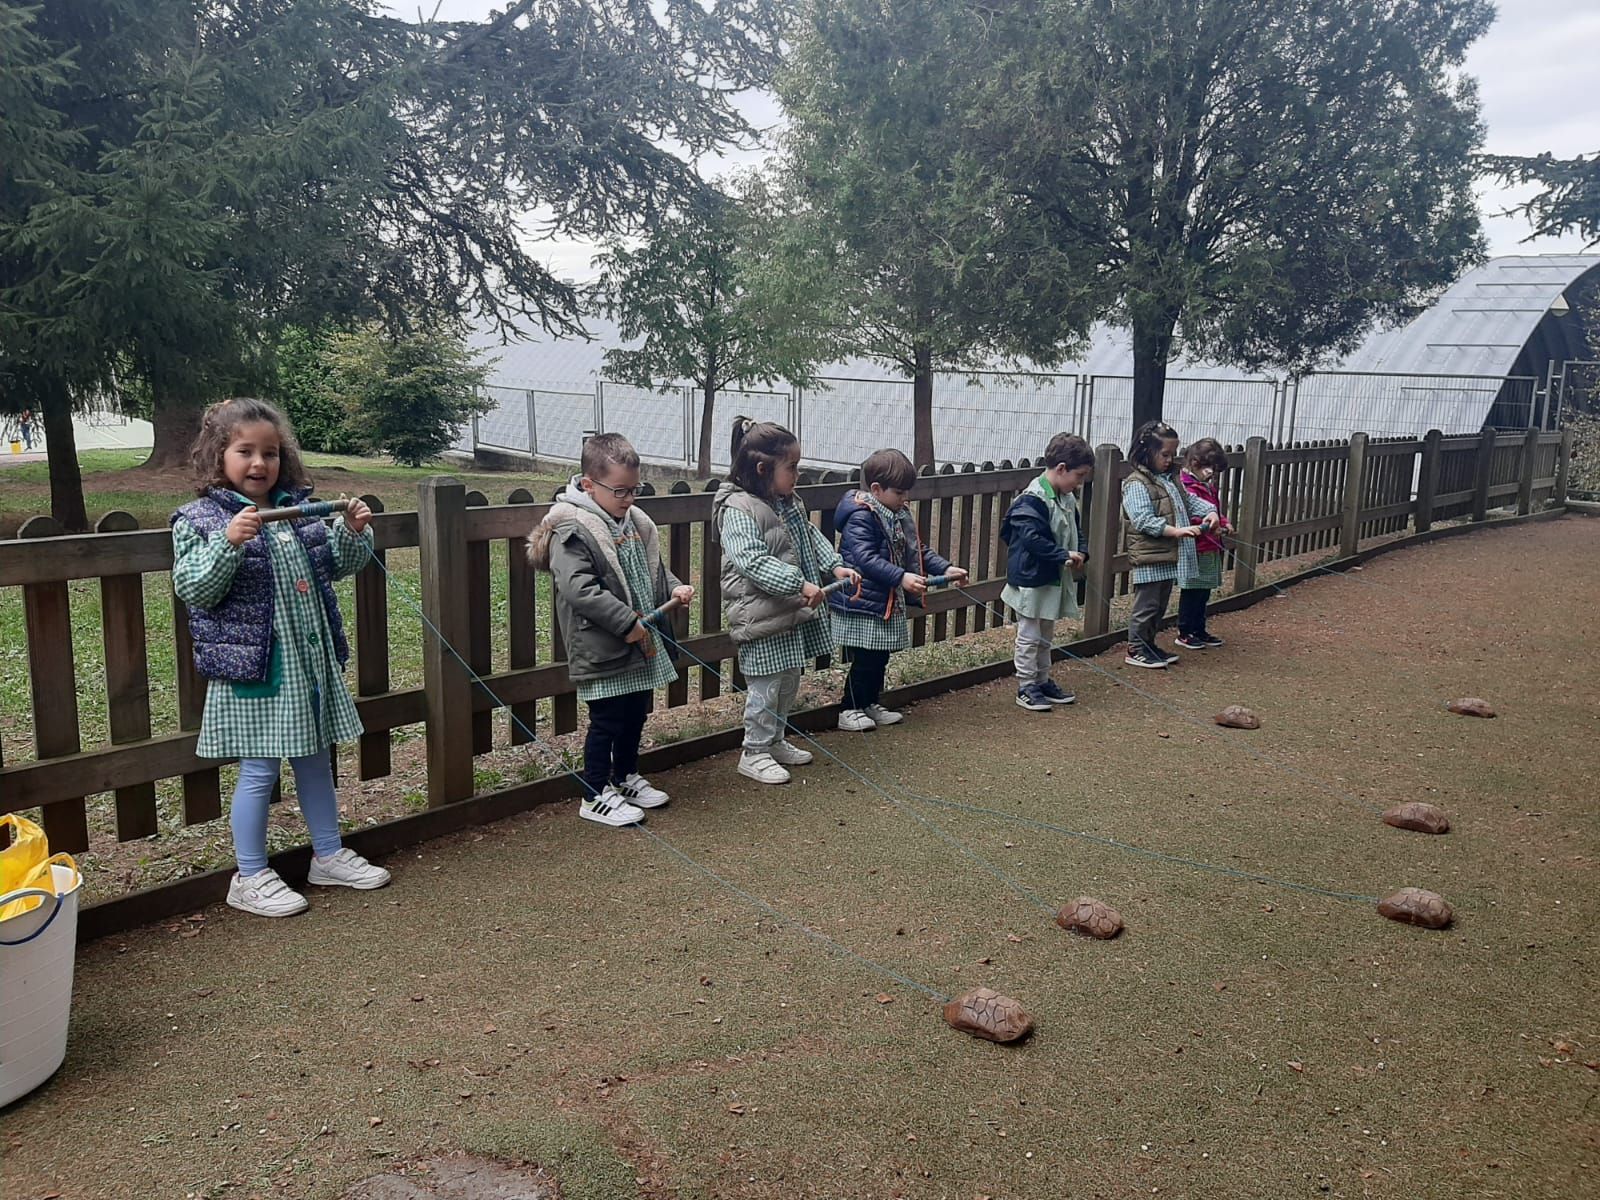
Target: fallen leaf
{"x": 736, "y": 1109}
{"x": 1011, "y": 937}
{"x": 1297, "y": 1067}
{"x": 374, "y": 1122}
{"x": 490, "y": 1029}
{"x": 884, "y": 998}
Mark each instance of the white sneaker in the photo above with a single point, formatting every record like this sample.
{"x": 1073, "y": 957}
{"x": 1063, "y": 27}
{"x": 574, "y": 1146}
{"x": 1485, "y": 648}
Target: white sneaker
{"x": 609, "y": 808}
{"x": 265, "y": 895}
{"x": 884, "y": 716}
{"x": 638, "y": 789}
{"x": 346, "y": 869}
{"x": 791, "y": 755}
{"x": 762, "y": 767}
{"x": 853, "y": 720}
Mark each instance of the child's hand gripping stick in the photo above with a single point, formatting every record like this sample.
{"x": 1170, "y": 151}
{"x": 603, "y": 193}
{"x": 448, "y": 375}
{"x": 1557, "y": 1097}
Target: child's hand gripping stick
{"x": 653, "y": 618}
{"x": 316, "y": 508}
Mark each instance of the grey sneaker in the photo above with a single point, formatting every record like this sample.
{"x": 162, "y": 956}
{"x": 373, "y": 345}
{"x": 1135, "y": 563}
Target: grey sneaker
{"x": 1032, "y": 698}
{"x": 791, "y": 755}
{"x": 884, "y": 716}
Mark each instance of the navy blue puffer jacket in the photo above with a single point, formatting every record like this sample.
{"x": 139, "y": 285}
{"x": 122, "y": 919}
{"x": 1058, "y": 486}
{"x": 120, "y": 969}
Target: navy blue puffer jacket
{"x": 865, "y": 544}
{"x": 1033, "y": 557}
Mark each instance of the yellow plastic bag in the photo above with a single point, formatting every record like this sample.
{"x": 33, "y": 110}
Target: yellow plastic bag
{"x": 26, "y": 863}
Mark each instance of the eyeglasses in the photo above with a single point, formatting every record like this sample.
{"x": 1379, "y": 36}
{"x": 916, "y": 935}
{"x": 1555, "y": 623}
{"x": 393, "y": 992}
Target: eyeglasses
{"x": 621, "y": 493}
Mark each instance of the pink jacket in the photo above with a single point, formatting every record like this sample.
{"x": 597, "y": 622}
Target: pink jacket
{"x": 1208, "y": 542}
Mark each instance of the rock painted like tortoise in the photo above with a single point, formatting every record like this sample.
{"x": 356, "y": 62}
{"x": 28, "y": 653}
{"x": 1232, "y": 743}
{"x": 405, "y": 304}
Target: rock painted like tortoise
{"x": 1471, "y": 706}
{"x": 989, "y": 1015}
{"x": 1089, "y": 916}
{"x": 1416, "y": 906}
{"x": 1237, "y": 716}
{"x": 1418, "y": 816}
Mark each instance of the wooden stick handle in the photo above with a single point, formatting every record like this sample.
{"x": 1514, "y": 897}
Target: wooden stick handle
{"x": 314, "y": 508}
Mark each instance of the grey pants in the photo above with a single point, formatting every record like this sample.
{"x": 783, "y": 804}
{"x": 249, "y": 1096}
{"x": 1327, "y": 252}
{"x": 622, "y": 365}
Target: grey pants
{"x": 767, "y": 702}
{"x": 1149, "y": 606}
{"x": 1032, "y": 658}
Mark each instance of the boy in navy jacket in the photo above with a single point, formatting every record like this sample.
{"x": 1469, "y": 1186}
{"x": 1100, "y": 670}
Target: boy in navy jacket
{"x": 1045, "y": 544}
{"x": 878, "y": 537}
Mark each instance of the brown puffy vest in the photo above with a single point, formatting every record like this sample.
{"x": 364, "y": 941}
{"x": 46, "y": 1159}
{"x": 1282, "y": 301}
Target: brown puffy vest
{"x": 1144, "y": 550}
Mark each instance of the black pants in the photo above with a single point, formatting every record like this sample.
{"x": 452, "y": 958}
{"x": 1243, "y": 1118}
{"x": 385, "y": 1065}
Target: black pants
{"x": 611, "y": 749}
{"x": 864, "y": 684}
{"x": 1192, "y": 610}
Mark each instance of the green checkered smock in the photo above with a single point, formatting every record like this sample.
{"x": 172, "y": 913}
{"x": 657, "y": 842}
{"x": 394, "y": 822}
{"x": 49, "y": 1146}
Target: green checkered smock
{"x": 303, "y": 707}
{"x": 657, "y": 669}
{"x": 1207, "y": 572}
{"x": 747, "y": 551}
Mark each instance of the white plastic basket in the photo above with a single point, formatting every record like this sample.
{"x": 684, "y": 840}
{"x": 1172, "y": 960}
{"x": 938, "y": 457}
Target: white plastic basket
{"x": 36, "y": 956}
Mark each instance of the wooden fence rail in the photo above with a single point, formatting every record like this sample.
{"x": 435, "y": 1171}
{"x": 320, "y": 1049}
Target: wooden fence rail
{"x": 1284, "y": 501}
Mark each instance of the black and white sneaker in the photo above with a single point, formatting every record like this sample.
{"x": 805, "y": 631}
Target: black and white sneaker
{"x": 1143, "y": 656}
{"x": 1055, "y": 693}
{"x": 1209, "y": 640}
{"x": 1166, "y": 654}
{"x": 1190, "y": 641}
{"x": 609, "y": 808}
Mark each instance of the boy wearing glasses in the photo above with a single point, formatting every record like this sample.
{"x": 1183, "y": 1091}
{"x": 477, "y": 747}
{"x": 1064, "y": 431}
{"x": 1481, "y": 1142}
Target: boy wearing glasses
{"x": 604, "y": 557}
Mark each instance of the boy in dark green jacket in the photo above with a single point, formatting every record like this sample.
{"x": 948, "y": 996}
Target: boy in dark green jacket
{"x": 604, "y": 556}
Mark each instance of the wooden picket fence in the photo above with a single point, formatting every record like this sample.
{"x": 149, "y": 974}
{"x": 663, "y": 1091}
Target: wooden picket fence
{"x": 1284, "y": 501}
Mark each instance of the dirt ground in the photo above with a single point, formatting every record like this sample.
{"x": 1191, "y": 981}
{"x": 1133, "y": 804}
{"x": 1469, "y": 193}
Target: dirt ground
{"x": 550, "y": 992}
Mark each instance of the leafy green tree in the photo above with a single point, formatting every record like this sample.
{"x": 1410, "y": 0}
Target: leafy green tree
{"x": 299, "y": 385}
{"x": 684, "y": 293}
{"x": 1274, "y": 175}
{"x": 299, "y": 161}
{"x": 1570, "y": 201}
{"x": 406, "y": 396}
{"x": 933, "y": 261}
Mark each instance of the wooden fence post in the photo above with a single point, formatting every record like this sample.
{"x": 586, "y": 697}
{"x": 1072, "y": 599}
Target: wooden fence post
{"x": 1428, "y": 480}
{"x": 1530, "y": 455}
{"x": 1105, "y": 519}
{"x": 1252, "y": 495}
{"x": 1484, "y": 466}
{"x": 1355, "y": 492}
{"x": 127, "y": 680}
{"x": 447, "y": 688}
{"x": 47, "y": 619}
{"x": 1563, "y": 457}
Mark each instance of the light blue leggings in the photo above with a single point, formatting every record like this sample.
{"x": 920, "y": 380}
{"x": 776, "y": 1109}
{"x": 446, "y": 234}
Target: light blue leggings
{"x": 313, "y": 784}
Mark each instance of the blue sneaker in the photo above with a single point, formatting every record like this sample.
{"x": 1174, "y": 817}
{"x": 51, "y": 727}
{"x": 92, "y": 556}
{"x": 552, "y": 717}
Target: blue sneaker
{"x": 1054, "y": 693}
{"x": 1033, "y": 699}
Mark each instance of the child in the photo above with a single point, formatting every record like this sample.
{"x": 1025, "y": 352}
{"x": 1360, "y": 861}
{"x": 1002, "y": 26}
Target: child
{"x": 605, "y": 558}
{"x": 773, "y": 566}
{"x": 1202, "y": 464}
{"x": 1044, "y": 545}
{"x": 268, "y": 635}
{"x": 1154, "y": 503}
{"x": 878, "y": 538}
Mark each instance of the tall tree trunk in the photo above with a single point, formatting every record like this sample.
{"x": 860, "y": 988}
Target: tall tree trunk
{"x": 177, "y": 422}
{"x": 1152, "y": 347}
{"x": 66, "y": 480}
{"x": 708, "y": 404}
{"x": 922, "y": 406}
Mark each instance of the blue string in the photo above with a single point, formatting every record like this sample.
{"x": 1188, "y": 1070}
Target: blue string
{"x": 539, "y": 743}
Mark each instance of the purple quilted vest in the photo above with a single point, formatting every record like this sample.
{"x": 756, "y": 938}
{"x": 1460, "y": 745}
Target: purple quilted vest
{"x": 234, "y": 640}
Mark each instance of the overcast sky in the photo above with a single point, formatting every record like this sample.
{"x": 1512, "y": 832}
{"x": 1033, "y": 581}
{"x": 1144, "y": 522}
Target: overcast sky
{"x": 1535, "y": 74}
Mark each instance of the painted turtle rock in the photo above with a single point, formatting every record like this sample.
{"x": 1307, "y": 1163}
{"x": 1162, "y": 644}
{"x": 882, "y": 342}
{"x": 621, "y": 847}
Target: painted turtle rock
{"x": 1471, "y": 706}
{"x": 989, "y": 1015}
{"x": 1416, "y": 906}
{"x": 1089, "y": 916}
{"x": 1417, "y": 816}
{"x": 1237, "y": 716}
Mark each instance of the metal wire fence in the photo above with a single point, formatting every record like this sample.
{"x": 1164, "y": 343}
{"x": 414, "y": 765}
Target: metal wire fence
{"x": 995, "y": 416}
